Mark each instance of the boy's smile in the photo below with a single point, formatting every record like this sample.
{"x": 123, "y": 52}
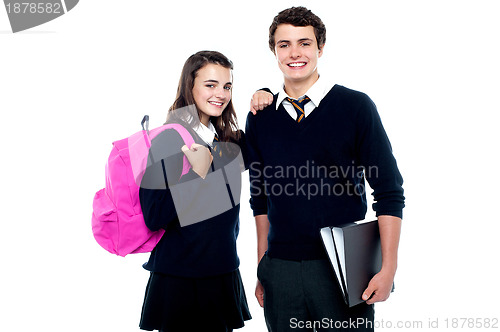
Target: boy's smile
{"x": 297, "y": 53}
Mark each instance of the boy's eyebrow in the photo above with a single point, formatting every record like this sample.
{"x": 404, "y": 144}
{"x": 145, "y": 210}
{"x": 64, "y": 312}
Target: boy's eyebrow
{"x": 287, "y": 41}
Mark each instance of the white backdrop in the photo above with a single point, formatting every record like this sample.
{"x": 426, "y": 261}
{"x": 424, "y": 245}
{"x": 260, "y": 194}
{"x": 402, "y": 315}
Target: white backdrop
{"x": 70, "y": 87}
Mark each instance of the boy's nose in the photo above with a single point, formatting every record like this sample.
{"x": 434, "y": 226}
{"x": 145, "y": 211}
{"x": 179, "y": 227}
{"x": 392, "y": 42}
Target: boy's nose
{"x": 295, "y": 53}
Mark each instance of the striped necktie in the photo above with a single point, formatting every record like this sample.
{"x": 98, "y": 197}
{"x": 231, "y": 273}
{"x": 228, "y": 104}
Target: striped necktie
{"x": 298, "y": 105}
{"x": 215, "y": 147}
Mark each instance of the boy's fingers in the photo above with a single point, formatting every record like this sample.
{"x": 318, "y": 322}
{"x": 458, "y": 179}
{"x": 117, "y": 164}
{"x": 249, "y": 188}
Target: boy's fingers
{"x": 368, "y": 293}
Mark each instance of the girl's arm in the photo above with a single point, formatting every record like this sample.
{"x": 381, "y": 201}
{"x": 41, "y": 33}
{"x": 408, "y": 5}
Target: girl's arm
{"x": 164, "y": 170}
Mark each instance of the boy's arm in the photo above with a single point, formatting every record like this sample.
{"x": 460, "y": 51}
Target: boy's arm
{"x": 375, "y": 154}
{"x": 258, "y": 197}
{"x": 262, "y": 225}
{"x": 380, "y": 286}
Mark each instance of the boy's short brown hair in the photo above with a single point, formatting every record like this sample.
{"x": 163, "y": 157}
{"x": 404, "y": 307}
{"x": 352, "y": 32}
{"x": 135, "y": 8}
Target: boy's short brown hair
{"x": 299, "y": 17}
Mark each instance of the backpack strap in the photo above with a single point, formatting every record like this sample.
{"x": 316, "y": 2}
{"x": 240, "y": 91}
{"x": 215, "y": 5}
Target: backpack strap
{"x": 183, "y": 132}
{"x": 145, "y": 120}
{"x": 188, "y": 140}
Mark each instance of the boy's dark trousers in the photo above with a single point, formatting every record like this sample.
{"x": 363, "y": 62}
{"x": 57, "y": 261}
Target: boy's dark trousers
{"x": 305, "y": 296}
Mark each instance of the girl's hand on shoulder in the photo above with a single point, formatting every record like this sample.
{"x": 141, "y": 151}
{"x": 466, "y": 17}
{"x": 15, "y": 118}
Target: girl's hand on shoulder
{"x": 260, "y": 100}
{"x": 199, "y": 157}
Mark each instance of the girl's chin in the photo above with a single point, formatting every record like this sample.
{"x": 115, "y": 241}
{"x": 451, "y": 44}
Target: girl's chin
{"x": 213, "y": 114}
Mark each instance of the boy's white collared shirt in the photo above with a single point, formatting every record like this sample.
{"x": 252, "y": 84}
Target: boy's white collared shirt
{"x": 316, "y": 93}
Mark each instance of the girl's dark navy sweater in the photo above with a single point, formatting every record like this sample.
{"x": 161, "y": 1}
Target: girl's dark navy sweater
{"x": 203, "y": 249}
{"x": 311, "y": 174}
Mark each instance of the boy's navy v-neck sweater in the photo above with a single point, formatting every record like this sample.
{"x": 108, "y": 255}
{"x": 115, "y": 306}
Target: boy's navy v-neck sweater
{"x": 311, "y": 174}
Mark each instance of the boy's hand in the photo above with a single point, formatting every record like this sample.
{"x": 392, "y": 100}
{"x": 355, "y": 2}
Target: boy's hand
{"x": 259, "y": 293}
{"x": 260, "y": 100}
{"x": 379, "y": 288}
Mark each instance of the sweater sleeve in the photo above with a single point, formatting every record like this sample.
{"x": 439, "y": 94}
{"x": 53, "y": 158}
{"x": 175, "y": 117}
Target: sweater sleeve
{"x": 258, "y": 197}
{"x": 164, "y": 169}
{"x": 267, "y": 90}
{"x": 375, "y": 155}
{"x": 242, "y": 143}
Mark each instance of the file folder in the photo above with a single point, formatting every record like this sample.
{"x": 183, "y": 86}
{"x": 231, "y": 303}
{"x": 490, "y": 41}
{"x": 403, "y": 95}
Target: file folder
{"x": 355, "y": 252}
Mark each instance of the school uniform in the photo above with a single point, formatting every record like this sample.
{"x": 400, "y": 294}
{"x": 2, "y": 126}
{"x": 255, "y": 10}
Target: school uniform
{"x": 310, "y": 174}
{"x": 195, "y": 284}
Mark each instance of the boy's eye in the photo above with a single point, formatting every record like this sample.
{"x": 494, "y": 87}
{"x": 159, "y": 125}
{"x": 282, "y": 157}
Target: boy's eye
{"x": 283, "y": 45}
{"x": 306, "y": 44}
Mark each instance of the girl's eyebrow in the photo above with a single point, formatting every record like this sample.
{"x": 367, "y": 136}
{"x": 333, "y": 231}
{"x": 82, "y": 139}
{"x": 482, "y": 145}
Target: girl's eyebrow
{"x": 215, "y": 81}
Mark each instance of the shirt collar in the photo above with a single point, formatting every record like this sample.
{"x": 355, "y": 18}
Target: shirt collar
{"x": 207, "y": 134}
{"x": 316, "y": 92}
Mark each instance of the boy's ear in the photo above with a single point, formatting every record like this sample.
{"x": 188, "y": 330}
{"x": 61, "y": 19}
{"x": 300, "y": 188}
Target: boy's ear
{"x": 320, "y": 52}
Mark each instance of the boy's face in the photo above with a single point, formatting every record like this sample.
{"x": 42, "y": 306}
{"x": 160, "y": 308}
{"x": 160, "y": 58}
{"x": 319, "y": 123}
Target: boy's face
{"x": 297, "y": 52}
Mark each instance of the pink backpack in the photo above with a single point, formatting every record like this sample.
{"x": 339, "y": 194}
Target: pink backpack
{"x": 117, "y": 220}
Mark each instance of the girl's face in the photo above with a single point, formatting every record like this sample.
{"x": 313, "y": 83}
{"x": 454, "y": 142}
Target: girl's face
{"x": 212, "y": 90}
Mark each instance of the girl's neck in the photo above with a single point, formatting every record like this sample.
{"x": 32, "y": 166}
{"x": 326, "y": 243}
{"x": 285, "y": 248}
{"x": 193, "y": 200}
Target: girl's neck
{"x": 204, "y": 120}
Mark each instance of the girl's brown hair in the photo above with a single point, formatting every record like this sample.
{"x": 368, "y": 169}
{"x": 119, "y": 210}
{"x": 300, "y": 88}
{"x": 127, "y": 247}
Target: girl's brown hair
{"x": 226, "y": 125}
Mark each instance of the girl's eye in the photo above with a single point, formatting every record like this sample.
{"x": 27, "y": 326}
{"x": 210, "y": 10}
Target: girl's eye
{"x": 228, "y": 88}
{"x": 209, "y": 85}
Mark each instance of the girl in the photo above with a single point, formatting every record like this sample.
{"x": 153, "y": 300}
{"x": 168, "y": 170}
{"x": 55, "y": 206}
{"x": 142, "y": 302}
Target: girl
{"x": 195, "y": 284}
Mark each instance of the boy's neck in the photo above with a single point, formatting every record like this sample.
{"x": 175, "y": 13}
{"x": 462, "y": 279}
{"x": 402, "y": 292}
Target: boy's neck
{"x": 296, "y": 89}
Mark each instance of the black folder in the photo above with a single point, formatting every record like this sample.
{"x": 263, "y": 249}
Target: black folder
{"x": 355, "y": 253}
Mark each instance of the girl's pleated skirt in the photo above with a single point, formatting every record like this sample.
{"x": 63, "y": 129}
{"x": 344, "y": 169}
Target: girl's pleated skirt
{"x": 174, "y": 304}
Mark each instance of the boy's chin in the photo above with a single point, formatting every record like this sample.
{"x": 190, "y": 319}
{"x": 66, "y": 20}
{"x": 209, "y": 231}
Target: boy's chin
{"x": 298, "y": 78}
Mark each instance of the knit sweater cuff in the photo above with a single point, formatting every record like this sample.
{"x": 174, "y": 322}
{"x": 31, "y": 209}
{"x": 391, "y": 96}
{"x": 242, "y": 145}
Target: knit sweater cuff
{"x": 398, "y": 213}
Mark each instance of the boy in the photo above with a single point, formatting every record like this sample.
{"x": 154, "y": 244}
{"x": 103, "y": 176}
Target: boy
{"x": 311, "y": 149}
